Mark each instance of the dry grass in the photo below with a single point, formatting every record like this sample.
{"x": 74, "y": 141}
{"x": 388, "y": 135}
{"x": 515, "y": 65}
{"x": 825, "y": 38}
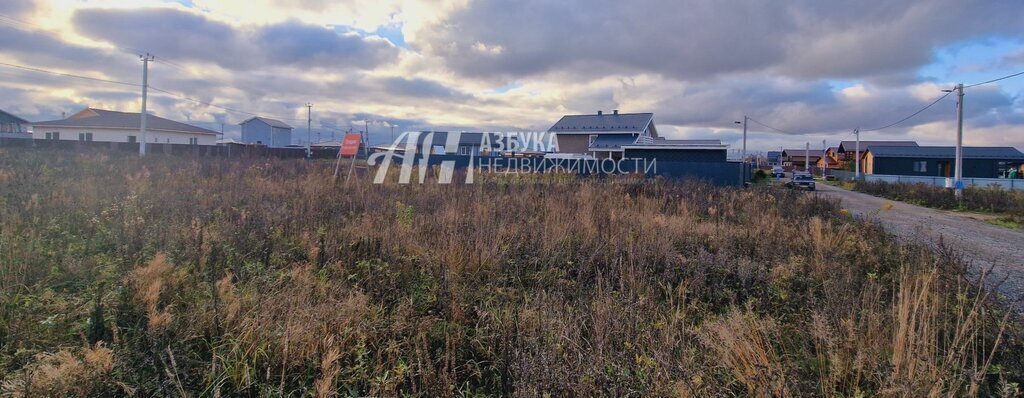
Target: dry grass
{"x": 262, "y": 278}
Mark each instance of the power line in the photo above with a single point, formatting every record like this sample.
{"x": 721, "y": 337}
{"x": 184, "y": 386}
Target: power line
{"x": 995, "y": 80}
{"x": 50, "y": 72}
{"x": 29, "y": 68}
{"x": 167, "y": 62}
{"x": 911, "y": 115}
{"x": 201, "y": 102}
{"x": 770, "y": 127}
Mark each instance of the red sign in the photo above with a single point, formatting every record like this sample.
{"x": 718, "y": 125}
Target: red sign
{"x": 350, "y": 146}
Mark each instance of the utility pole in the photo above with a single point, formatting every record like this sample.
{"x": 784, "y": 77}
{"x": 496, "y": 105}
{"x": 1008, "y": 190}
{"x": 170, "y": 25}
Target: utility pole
{"x": 856, "y": 155}
{"x": 145, "y": 86}
{"x": 807, "y": 157}
{"x": 392, "y": 133}
{"x": 824, "y": 157}
{"x": 309, "y": 128}
{"x": 958, "y": 183}
{"x": 745, "y": 138}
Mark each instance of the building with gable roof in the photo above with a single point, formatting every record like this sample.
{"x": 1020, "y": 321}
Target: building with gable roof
{"x": 265, "y": 131}
{"x": 101, "y": 125}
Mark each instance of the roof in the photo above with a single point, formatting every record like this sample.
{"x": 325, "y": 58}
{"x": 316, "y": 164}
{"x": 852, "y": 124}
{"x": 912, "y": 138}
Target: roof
{"x": 6, "y": 117}
{"x": 676, "y": 147}
{"x": 828, "y": 160}
{"x": 662, "y": 141}
{"x": 603, "y": 123}
{"x": 100, "y": 118}
{"x": 799, "y": 153}
{"x": 947, "y": 152}
{"x": 852, "y": 145}
{"x": 269, "y": 121}
{"x": 612, "y": 141}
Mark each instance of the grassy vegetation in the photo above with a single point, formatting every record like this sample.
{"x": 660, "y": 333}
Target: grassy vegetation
{"x": 1009, "y": 205}
{"x": 210, "y": 277}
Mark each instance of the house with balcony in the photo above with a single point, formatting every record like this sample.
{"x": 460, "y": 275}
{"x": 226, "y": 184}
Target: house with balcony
{"x": 603, "y": 135}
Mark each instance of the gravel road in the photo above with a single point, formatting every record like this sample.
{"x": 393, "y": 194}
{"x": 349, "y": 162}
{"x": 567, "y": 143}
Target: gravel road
{"x": 984, "y": 245}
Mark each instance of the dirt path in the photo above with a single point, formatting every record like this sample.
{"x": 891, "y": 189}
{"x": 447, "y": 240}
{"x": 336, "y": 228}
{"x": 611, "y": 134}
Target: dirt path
{"x": 984, "y": 245}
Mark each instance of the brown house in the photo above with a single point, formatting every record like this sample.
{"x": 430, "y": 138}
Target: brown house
{"x": 603, "y": 135}
{"x": 794, "y": 158}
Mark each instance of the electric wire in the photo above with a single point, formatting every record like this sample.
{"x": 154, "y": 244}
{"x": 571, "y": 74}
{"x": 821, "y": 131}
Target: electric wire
{"x": 995, "y": 80}
{"x": 33, "y": 69}
{"x": 911, "y": 115}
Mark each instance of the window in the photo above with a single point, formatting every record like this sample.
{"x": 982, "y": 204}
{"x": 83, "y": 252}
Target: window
{"x": 131, "y": 139}
{"x": 921, "y": 167}
{"x": 88, "y": 136}
{"x": 53, "y": 135}
{"x": 463, "y": 150}
{"x": 193, "y": 141}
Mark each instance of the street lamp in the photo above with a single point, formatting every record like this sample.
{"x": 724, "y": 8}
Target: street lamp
{"x": 744, "y": 123}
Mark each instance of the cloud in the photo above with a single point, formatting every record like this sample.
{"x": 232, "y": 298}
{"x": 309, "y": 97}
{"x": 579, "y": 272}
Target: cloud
{"x": 704, "y": 38}
{"x": 190, "y": 36}
{"x": 806, "y": 66}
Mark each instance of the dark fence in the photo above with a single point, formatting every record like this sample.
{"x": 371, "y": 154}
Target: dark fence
{"x": 230, "y": 150}
{"x": 720, "y": 173}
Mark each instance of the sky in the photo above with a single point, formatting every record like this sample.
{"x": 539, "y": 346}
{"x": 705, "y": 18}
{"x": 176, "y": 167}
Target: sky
{"x": 805, "y": 71}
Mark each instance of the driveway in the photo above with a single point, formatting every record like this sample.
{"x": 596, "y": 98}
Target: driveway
{"x": 984, "y": 245}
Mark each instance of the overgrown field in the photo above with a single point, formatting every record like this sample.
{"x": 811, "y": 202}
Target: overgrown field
{"x": 1008, "y": 204}
{"x": 207, "y": 277}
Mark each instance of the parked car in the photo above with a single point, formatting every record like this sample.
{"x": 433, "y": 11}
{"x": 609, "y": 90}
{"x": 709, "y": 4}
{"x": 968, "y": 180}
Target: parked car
{"x": 778, "y": 172}
{"x": 801, "y": 181}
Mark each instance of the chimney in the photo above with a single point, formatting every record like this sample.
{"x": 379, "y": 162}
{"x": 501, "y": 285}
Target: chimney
{"x": 616, "y": 112}
{"x": 599, "y": 113}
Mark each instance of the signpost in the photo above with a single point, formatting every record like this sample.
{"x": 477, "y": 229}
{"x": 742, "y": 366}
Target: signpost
{"x": 349, "y": 147}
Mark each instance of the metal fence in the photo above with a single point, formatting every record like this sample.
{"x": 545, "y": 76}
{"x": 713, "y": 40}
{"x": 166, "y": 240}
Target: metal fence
{"x": 1003, "y": 183}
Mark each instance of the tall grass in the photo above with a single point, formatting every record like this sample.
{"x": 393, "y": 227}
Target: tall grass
{"x": 987, "y": 199}
{"x": 212, "y": 277}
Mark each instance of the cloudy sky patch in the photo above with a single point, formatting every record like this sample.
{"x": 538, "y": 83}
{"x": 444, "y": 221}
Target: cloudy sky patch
{"x": 809, "y": 69}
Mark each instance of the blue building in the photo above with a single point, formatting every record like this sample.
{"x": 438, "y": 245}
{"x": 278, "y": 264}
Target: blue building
{"x": 938, "y": 161}
{"x": 265, "y": 131}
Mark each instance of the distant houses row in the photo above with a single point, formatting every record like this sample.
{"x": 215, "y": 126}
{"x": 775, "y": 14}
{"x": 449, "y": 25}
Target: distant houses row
{"x": 602, "y": 135}
{"x": 905, "y": 158}
{"x": 99, "y": 125}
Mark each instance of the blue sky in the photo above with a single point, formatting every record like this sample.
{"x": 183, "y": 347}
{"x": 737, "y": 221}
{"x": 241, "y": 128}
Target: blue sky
{"x": 814, "y": 68}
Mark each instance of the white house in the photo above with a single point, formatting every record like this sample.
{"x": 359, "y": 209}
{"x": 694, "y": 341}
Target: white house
{"x": 266, "y": 131}
{"x": 111, "y": 126}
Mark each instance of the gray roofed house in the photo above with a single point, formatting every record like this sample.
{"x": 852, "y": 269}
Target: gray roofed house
{"x": 614, "y": 122}
{"x": 593, "y": 134}
{"x": 101, "y": 118}
{"x": 12, "y": 126}
{"x": 102, "y": 125}
{"x": 266, "y": 131}
{"x": 939, "y": 161}
{"x": 969, "y": 152}
{"x": 847, "y": 148}
{"x": 272, "y": 122}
